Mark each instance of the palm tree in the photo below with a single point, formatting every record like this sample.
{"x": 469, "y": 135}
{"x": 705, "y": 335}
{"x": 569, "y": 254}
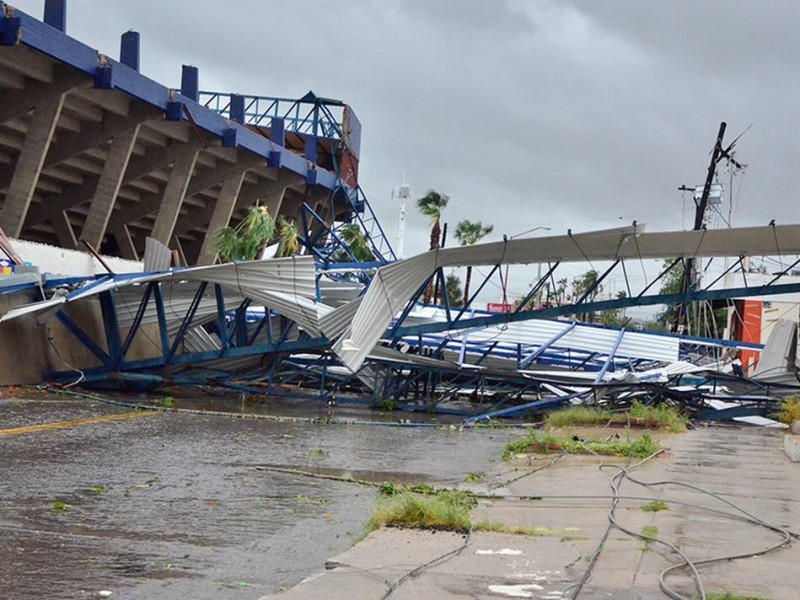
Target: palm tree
{"x": 587, "y": 285}
{"x": 355, "y": 239}
{"x": 431, "y": 205}
{"x": 467, "y": 234}
{"x": 248, "y": 239}
{"x": 288, "y": 238}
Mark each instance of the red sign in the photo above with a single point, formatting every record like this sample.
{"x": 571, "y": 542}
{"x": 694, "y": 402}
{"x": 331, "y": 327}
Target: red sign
{"x": 499, "y": 307}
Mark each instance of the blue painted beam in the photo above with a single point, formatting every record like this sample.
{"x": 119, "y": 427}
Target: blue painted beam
{"x": 538, "y": 404}
{"x": 198, "y": 358}
{"x": 17, "y": 27}
{"x": 601, "y": 373}
{"x": 557, "y": 311}
{"x": 541, "y": 349}
{"x": 83, "y": 338}
{"x": 137, "y": 320}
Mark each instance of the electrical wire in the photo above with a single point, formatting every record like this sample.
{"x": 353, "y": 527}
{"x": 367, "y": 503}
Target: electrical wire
{"x": 275, "y": 418}
{"x": 786, "y": 534}
{"x": 432, "y": 563}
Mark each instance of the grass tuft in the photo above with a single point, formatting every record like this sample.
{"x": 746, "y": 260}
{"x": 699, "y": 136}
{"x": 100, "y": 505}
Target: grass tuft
{"x": 662, "y": 416}
{"x": 789, "y": 411}
{"x": 650, "y": 532}
{"x": 499, "y": 527}
{"x": 654, "y": 506}
{"x": 443, "y": 510}
{"x": 538, "y": 442}
{"x": 578, "y": 415}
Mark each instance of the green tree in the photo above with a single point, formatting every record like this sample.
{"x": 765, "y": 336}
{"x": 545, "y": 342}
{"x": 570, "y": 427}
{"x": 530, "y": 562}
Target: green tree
{"x": 355, "y": 239}
{"x": 453, "y": 290}
{"x": 432, "y": 204}
{"x": 467, "y": 234}
{"x": 615, "y": 317}
{"x": 248, "y": 239}
{"x": 586, "y": 285}
{"x": 288, "y": 238}
{"x": 700, "y": 318}
{"x": 560, "y": 292}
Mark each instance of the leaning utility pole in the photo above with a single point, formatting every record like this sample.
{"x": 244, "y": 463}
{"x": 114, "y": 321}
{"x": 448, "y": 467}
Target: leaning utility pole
{"x": 689, "y": 276}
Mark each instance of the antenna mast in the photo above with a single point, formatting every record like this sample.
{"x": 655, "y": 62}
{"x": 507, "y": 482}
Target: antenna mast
{"x": 403, "y": 193}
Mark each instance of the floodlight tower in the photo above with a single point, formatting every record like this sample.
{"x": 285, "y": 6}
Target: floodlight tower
{"x": 402, "y": 194}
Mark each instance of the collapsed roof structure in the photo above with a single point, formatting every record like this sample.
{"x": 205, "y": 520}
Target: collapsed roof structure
{"x": 93, "y": 151}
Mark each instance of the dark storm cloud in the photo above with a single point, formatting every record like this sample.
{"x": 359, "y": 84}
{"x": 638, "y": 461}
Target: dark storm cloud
{"x": 583, "y": 114}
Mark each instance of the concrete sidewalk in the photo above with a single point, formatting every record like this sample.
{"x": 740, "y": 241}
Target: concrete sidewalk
{"x": 745, "y": 466}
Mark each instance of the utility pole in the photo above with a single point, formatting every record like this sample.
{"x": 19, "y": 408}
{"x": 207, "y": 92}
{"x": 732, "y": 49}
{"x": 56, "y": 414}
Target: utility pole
{"x": 689, "y": 276}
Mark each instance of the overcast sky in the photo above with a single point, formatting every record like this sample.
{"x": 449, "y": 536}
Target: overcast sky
{"x": 527, "y": 113}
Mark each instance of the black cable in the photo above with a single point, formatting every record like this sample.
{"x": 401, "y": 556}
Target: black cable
{"x": 432, "y": 563}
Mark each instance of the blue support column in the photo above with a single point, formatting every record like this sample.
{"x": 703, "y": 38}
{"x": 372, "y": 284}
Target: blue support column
{"x": 137, "y": 321}
{"x": 310, "y": 151}
{"x": 162, "y": 319}
{"x": 187, "y": 320}
{"x": 223, "y": 325}
{"x": 129, "y": 49}
{"x": 55, "y": 14}
{"x": 190, "y": 82}
{"x": 241, "y": 325}
{"x": 83, "y": 337}
{"x": 610, "y": 358}
{"x": 237, "y": 108}
{"x": 278, "y": 131}
{"x": 538, "y": 352}
{"x": 111, "y": 325}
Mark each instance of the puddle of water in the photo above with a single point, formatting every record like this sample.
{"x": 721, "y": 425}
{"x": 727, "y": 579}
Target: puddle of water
{"x": 175, "y": 505}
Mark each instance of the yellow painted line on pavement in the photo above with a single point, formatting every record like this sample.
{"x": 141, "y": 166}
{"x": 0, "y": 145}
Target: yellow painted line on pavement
{"x": 73, "y": 423}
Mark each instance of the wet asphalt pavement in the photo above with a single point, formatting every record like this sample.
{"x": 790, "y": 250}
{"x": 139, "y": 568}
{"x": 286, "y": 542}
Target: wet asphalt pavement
{"x": 177, "y": 505}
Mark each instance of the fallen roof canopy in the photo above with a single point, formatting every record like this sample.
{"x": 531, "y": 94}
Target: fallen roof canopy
{"x": 394, "y": 285}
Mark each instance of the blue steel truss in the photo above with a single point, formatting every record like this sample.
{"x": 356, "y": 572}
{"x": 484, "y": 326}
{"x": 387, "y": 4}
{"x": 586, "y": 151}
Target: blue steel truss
{"x": 309, "y": 115}
{"x": 314, "y": 117}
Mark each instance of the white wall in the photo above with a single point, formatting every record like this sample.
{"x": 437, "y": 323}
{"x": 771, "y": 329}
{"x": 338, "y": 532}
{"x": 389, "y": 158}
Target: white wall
{"x": 60, "y": 261}
{"x": 771, "y": 312}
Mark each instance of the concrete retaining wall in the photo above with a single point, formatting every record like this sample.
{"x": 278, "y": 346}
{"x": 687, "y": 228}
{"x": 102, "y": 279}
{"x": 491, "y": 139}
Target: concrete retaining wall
{"x": 29, "y": 351}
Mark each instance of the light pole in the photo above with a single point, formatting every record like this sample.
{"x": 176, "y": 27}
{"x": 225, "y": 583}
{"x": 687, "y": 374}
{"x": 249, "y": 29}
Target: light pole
{"x": 539, "y": 271}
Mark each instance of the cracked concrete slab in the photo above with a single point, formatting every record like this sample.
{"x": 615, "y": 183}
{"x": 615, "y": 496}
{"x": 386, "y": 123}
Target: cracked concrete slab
{"x": 566, "y": 503}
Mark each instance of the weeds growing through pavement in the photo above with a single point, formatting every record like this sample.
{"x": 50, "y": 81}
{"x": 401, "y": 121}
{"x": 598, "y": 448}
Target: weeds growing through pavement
{"x": 498, "y": 527}
{"x": 662, "y": 416}
{"x": 654, "y": 506}
{"x": 651, "y": 532}
{"x": 578, "y": 415}
{"x": 538, "y": 442}
{"x": 789, "y": 410}
{"x": 422, "y": 507}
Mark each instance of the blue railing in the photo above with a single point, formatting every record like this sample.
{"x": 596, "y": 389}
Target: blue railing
{"x": 310, "y": 115}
